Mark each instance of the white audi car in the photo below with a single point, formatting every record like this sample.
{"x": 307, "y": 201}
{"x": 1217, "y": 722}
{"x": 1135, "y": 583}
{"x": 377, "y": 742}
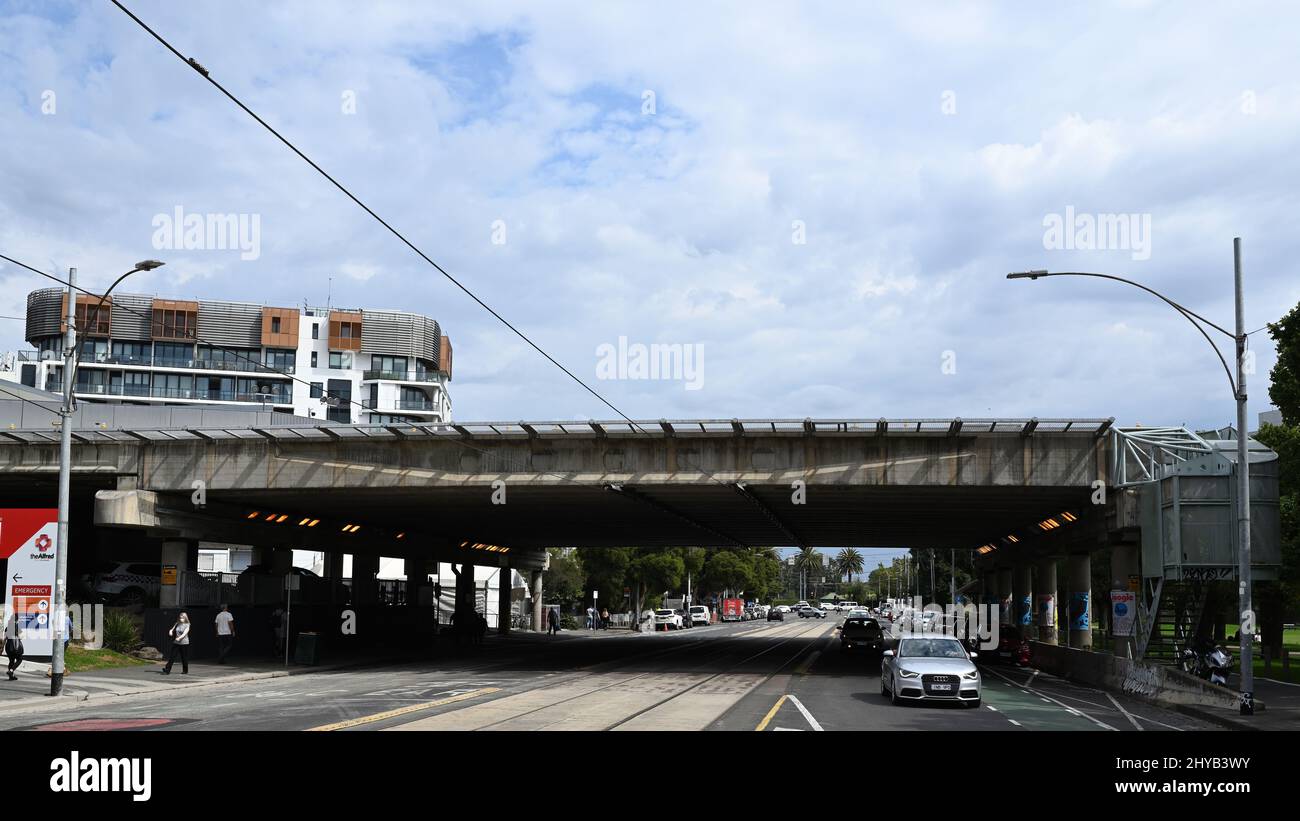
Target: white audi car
{"x": 930, "y": 668}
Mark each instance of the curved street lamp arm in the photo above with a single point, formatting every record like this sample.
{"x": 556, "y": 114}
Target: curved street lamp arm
{"x": 148, "y": 265}
{"x": 1189, "y": 314}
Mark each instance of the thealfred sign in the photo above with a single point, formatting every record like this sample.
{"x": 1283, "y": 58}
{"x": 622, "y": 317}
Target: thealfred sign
{"x": 29, "y": 543}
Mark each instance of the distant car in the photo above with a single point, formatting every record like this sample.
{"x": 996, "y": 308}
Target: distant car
{"x": 859, "y": 613}
{"x": 700, "y": 614}
{"x": 253, "y": 586}
{"x": 668, "y": 620}
{"x": 775, "y": 614}
{"x": 848, "y": 606}
{"x": 812, "y": 613}
{"x": 930, "y": 668}
{"x": 784, "y": 608}
{"x": 861, "y": 633}
{"x": 125, "y": 583}
{"x": 1012, "y": 646}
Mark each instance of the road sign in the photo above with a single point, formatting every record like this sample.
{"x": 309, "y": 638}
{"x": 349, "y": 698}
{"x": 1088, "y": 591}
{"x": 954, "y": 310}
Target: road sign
{"x": 29, "y": 541}
{"x": 169, "y": 574}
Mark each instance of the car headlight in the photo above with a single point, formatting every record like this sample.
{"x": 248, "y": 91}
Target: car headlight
{"x": 908, "y": 673}
{"x": 972, "y": 675}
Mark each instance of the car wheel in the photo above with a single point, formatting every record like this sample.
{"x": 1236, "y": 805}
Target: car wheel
{"x": 131, "y": 597}
{"x": 893, "y": 691}
{"x": 883, "y": 691}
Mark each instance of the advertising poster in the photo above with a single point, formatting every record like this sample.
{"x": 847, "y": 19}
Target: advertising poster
{"x": 1123, "y": 609}
{"x": 1047, "y": 610}
{"x": 28, "y": 544}
{"x": 1079, "y": 619}
{"x": 1026, "y": 610}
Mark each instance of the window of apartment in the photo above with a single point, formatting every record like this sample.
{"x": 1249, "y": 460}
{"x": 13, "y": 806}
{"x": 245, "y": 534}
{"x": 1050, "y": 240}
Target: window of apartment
{"x": 414, "y": 399}
{"x": 341, "y": 360}
{"x": 52, "y": 345}
{"x": 230, "y": 359}
{"x": 173, "y": 324}
{"x": 313, "y": 359}
{"x": 317, "y": 389}
{"x": 281, "y": 359}
{"x": 275, "y": 324}
{"x": 91, "y": 319}
{"x": 135, "y": 383}
{"x": 174, "y": 354}
{"x": 94, "y": 350}
{"x": 341, "y": 390}
{"x": 389, "y": 364}
{"x": 374, "y": 395}
{"x": 173, "y": 386}
{"x": 130, "y": 353}
{"x": 315, "y": 330}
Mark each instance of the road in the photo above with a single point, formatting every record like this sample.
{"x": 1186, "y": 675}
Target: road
{"x": 773, "y": 676}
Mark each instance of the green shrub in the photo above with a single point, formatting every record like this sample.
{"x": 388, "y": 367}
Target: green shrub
{"x": 120, "y": 632}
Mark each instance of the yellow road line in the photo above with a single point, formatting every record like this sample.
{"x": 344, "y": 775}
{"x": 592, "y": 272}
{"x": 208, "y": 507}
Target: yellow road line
{"x": 762, "y": 725}
{"x": 401, "y": 711}
{"x": 803, "y": 668}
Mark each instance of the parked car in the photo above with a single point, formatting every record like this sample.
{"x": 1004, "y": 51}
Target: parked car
{"x": 255, "y": 586}
{"x": 668, "y": 619}
{"x": 1012, "y": 646}
{"x": 776, "y": 614}
{"x": 784, "y": 608}
{"x": 125, "y": 583}
{"x": 932, "y": 667}
{"x": 700, "y": 614}
{"x": 861, "y": 633}
{"x": 812, "y": 613}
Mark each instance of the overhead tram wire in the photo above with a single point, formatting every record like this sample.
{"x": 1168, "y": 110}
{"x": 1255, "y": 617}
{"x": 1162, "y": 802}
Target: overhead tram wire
{"x": 269, "y": 368}
{"x": 194, "y": 64}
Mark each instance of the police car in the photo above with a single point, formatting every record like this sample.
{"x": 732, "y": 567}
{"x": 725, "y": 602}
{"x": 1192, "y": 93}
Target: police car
{"x": 126, "y": 583}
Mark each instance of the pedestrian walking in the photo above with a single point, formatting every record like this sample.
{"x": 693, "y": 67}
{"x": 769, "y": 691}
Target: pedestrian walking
{"x": 225, "y": 626}
{"x": 552, "y": 621}
{"x": 591, "y": 618}
{"x": 604, "y": 618}
{"x": 180, "y": 634}
{"x": 13, "y": 645}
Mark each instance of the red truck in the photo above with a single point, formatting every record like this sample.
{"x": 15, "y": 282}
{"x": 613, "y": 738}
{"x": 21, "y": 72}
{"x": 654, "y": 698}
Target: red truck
{"x": 733, "y": 609}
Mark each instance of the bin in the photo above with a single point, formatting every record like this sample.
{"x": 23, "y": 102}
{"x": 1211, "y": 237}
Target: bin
{"x": 307, "y": 650}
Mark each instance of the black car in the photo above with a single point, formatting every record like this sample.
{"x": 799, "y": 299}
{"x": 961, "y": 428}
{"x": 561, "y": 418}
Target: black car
{"x": 860, "y": 633}
{"x": 775, "y": 614}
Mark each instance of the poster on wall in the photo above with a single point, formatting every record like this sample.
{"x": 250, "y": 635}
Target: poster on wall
{"x": 1123, "y": 609}
{"x": 1079, "y": 611}
{"x": 1047, "y": 610}
{"x": 29, "y": 545}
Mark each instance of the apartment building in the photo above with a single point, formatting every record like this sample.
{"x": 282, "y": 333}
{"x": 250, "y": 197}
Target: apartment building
{"x": 355, "y": 366}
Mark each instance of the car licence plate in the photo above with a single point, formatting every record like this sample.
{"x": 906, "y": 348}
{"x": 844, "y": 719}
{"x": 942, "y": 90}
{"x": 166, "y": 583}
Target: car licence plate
{"x": 944, "y": 687}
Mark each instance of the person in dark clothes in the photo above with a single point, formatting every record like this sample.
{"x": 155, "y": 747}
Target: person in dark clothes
{"x": 13, "y": 645}
{"x": 552, "y": 621}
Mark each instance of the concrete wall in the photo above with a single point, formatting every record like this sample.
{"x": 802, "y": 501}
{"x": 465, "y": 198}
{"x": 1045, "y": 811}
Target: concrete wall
{"x": 1156, "y": 683}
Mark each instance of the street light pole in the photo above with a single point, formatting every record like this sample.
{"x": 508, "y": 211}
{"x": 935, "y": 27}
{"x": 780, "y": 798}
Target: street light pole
{"x": 60, "y": 608}
{"x": 70, "y": 358}
{"x": 1246, "y": 621}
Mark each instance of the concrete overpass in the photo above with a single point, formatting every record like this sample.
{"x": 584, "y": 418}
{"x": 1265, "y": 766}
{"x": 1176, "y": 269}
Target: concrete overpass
{"x": 529, "y": 485}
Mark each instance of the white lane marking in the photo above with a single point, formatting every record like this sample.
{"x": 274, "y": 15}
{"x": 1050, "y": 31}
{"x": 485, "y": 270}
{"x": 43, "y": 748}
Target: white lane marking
{"x": 1045, "y": 701}
{"x": 1275, "y": 681}
{"x": 806, "y": 714}
{"x": 1013, "y": 721}
{"x": 1080, "y": 713}
{"x": 786, "y": 730}
{"x": 1161, "y": 723}
{"x": 991, "y": 707}
{"x": 1126, "y": 713}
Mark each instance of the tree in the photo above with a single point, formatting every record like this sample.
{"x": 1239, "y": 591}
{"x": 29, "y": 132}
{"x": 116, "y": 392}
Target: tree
{"x": 808, "y": 560}
{"x": 563, "y": 582}
{"x": 605, "y": 569}
{"x": 728, "y": 570}
{"x": 654, "y": 570}
{"x": 1284, "y": 387}
{"x": 849, "y": 561}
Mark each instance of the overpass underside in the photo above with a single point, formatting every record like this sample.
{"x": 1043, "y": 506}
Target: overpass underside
{"x": 894, "y": 483}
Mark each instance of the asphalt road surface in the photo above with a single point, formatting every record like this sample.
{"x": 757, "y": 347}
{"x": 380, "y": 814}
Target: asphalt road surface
{"x": 769, "y": 676}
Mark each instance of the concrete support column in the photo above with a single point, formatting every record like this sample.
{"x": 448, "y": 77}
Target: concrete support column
{"x": 417, "y": 573}
{"x": 1046, "y": 590}
{"x": 537, "y": 601}
{"x": 364, "y": 570}
{"x": 1023, "y": 596}
{"x": 334, "y": 572}
{"x": 185, "y": 556}
{"x": 465, "y": 601}
{"x": 1123, "y": 564}
{"x": 1004, "y": 595}
{"x": 281, "y": 560}
{"x": 504, "y": 579}
{"x": 988, "y": 587}
{"x": 1079, "y": 572}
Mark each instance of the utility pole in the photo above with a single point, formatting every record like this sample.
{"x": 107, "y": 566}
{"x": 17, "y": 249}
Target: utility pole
{"x": 1246, "y": 622}
{"x": 65, "y": 489}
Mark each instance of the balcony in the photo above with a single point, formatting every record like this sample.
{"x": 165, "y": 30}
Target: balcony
{"x": 154, "y": 392}
{"x": 415, "y": 405}
{"x": 399, "y": 376}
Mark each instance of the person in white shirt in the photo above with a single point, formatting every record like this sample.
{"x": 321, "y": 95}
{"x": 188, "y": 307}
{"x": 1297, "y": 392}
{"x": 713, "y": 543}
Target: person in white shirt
{"x": 225, "y": 633}
{"x": 180, "y": 634}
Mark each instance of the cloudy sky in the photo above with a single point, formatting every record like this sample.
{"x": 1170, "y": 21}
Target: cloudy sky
{"x": 821, "y": 200}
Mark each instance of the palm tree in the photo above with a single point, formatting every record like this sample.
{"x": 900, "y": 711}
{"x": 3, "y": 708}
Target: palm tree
{"x": 849, "y": 561}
